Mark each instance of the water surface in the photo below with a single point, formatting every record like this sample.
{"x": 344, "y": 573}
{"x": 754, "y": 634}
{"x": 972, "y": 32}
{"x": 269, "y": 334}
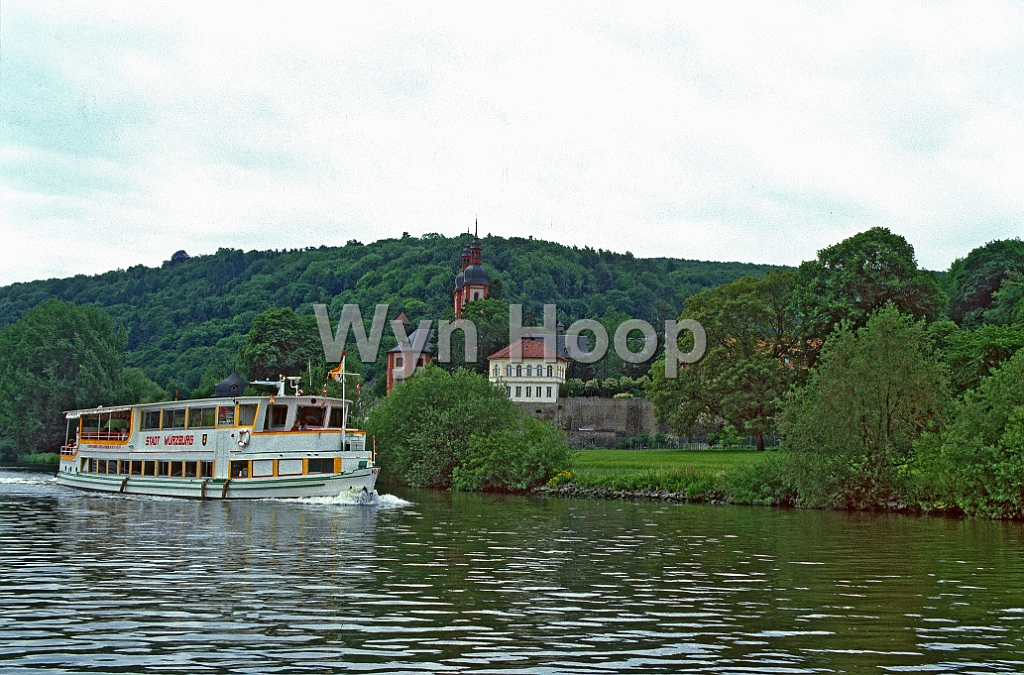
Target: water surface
{"x": 432, "y": 582}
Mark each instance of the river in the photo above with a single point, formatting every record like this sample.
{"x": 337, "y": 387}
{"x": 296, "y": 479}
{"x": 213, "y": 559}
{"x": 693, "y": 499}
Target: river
{"x": 427, "y": 582}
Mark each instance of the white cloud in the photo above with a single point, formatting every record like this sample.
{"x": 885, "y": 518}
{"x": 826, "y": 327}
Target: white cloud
{"x": 741, "y": 132}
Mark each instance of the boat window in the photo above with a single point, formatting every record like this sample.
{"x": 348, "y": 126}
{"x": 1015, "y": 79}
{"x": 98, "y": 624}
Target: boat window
{"x": 277, "y": 417}
{"x": 206, "y": 469}
{"x": 136, "y": 467}
{"x": 312, "y": 415}
{"x": 101, "y": 466}
{"x": 163, "y": 469}
{"x": 174, "y": 419}
{"x": 150, "y": 420}
{"x": 106, "y": 426}
{"x": 246, "y": 414}
{"x": 149, "y": 469}
{"x": 226, "y": 416}
{"x": 321, "y": 465}
{"x": 201, "y": 418}
{"x": 289, "y": 467}
{"x": 240, "y": 469}
{"x": 262, "y": 468}
{"x": 337, "y": 417}
{"x": 177, "y": 469}
{"x": 191, "y": 469}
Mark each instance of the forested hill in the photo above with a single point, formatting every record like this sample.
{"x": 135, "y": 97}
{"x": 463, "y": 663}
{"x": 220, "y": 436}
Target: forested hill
{"x": 187, "y": 318}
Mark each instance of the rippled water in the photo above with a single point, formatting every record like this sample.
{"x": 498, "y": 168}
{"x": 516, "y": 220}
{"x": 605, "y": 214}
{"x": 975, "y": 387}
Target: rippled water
{"x": 429, "y": 582}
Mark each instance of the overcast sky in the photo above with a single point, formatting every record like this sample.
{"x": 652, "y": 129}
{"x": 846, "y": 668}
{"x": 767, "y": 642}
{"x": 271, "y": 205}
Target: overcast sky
{"x": 746, "y": 132}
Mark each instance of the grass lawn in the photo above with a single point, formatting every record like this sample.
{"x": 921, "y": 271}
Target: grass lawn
{"x": 690, "y": 471}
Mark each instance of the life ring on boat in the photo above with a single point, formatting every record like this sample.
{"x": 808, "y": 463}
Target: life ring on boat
{"x": 243, "y": 438}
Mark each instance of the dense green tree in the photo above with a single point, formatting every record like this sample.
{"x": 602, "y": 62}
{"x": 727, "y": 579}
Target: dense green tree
{"x": 440, "y": 429}
{"x": 850, "y": 430}
{"x": 852, "y": 279}
{"x": 60, "y": 357}
{"x": 753, "y": 356}
{"x": 281, "y": 342}
{"x": 970, "y": 355}
{"x": 974, "y": 280}
{"x": 1008, "y": 302}
{"x": 976, "y": 462}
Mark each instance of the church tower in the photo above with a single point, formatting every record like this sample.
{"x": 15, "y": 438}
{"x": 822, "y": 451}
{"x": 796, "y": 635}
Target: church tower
{"x": 472, "y": 282}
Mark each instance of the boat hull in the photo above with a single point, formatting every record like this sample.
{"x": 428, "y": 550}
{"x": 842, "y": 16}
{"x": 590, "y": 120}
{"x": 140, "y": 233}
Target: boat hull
{"x": 317, "y": 485}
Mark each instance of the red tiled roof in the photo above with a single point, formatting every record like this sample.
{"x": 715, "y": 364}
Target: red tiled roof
{"x": 532, "y": 349}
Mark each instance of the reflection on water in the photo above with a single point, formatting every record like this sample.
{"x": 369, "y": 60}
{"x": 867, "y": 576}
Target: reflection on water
{"x": 471, "y": 583}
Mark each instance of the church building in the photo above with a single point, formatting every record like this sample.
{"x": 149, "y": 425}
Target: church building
{"x": 472, "y": 282}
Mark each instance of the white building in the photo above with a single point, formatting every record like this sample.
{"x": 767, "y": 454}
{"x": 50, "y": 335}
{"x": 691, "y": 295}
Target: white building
{"x": 532, "y": 379}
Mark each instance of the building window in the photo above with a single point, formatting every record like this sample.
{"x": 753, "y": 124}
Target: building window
{"x": 508, "y": 371}
{"x": 519, "y": 371}
{"x": 398, "y": 361}
{"x": 419, "y": 362}
{"x": 508, "y": 391}
{"x": 550, "y": 369}
{"x": 528, "y": 390}
{"x": 497, "y": 369}
{"x": 549, "y": 392}
{"x": 519, "y": 392}
{"x": 529, "y": 371}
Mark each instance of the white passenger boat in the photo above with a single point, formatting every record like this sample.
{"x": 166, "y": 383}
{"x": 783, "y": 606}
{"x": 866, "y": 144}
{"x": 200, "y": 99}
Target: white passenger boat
{"x": 237, "y": 447}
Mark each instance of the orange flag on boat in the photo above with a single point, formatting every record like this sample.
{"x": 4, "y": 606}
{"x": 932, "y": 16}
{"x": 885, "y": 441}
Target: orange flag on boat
{"x": 336, "y": 373}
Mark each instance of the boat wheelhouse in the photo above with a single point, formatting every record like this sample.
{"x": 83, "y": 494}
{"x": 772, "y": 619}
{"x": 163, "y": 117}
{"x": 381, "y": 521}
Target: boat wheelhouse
{"x": 219, "y": 448}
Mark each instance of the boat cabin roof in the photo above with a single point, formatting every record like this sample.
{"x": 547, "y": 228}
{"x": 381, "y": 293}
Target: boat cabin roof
{"x": 203, "y": 402}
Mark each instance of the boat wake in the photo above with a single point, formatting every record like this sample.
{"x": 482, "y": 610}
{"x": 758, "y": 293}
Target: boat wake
{"x": 19, "y": 480}
{"x": 373, "y": 499}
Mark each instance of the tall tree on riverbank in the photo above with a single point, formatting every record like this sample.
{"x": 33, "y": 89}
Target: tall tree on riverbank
{"x": 850, "y": 430}
{"x": 60, "y": 357}
{"x": 860, "y": 275}
{"x": 753, "y": 355}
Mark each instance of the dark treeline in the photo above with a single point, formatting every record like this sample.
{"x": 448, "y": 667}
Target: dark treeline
{"x": 187, "y": 319}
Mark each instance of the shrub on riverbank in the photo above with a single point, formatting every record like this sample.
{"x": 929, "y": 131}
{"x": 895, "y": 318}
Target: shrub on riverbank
{"x": 850, "y": 431}
{"x": 42, "y": 458}
{"x": 976, "y": 463}
{"x": 457, "y": 430}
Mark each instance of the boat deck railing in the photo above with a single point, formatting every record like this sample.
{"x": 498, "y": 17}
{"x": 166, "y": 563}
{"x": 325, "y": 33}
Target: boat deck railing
{"x": 104, "y": 435}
